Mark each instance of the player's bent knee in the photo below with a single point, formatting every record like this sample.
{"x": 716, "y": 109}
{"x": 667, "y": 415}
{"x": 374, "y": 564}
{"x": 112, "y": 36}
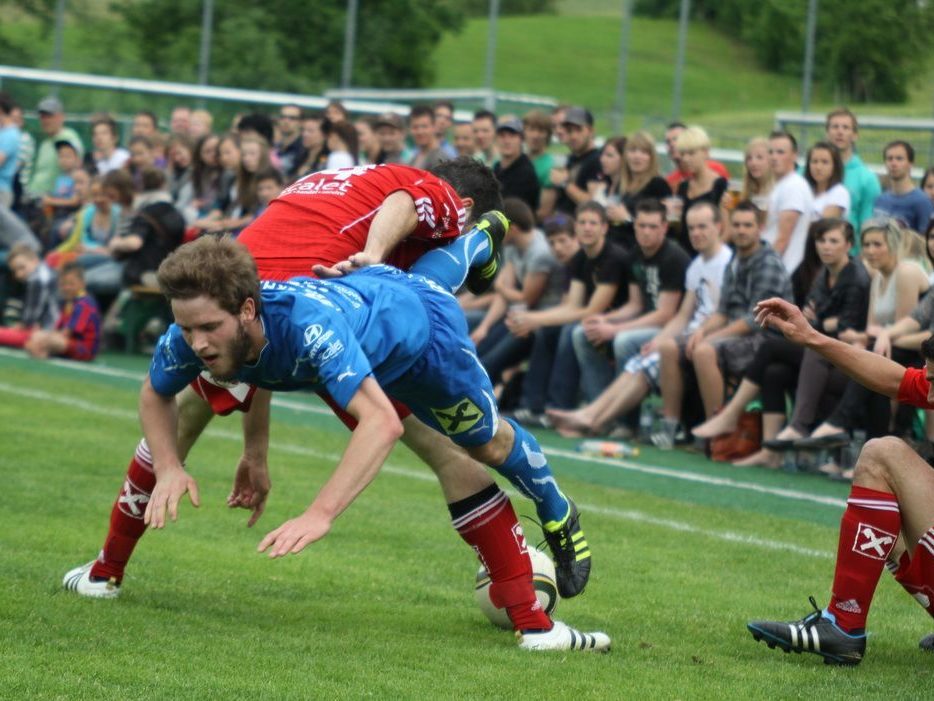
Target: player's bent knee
{"x": 879, "y": 457}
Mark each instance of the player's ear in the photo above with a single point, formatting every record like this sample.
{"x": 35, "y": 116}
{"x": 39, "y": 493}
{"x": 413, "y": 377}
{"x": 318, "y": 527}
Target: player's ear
{"x": 248, "y": 310}
{"x": 468, "y": 205}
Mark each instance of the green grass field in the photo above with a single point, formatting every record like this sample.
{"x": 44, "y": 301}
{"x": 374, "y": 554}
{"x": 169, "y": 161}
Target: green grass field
{"x": 685, "y": 552}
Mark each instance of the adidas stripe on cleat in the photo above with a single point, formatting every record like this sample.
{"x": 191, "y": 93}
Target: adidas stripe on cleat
{"x": 817, "y": 633}
{"x": 563, "y": 637}
{"x": 79, "y": 581}
{"x": 571, "y": 553}
{"x": 495, "y": 224}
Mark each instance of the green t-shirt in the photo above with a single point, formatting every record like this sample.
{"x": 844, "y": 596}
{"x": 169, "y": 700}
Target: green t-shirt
{"x": 543, "y": 165}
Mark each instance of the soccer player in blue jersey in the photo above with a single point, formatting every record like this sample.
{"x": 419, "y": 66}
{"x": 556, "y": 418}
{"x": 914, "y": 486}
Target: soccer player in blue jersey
{"x": 375, "y": 332}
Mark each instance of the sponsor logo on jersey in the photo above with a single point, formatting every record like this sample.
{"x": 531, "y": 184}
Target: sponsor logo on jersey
{"x": 332, "y": 350}
{"x": 458, "y": 418}
{"x": 312, "y": 333}
{"x": 347, "y": 373}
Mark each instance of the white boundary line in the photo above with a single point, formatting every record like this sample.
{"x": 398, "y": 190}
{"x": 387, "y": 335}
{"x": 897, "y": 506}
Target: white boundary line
{"x": 623, "y": 514}
{"x": 645, "y": 469}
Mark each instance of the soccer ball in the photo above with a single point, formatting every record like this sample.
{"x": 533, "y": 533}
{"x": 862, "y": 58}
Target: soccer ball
{"x": 543, "y": 579}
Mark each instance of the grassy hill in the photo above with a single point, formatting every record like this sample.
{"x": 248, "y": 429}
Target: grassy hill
{"x": 573, "y": 56}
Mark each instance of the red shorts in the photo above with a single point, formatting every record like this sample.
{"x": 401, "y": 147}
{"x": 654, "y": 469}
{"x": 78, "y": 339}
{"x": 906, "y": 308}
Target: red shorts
{"x": 225, "y": 398}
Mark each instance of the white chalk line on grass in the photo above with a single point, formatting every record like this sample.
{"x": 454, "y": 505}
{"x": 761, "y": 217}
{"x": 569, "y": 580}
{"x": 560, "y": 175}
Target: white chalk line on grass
{"x": 623, "y": 514}
{"x": 655, "y": 470}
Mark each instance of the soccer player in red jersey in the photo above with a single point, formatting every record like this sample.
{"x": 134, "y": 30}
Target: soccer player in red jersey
{"x": 329, "y": 223}
{"x": 889, "y": 517}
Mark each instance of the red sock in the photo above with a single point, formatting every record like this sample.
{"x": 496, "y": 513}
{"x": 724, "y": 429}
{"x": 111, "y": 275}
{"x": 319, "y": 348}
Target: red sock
{"x": 916, "y": 572}
{"x": 487, "y": 522}
{"x": 126, "y": 517}
{"x": 868, "y": 531}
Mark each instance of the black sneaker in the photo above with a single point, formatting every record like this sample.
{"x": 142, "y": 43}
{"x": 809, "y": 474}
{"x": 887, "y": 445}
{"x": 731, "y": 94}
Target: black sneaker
{"x": 817, "y": 632}
{"x": 571, "y": 554}
{"x": 495, "y": 224}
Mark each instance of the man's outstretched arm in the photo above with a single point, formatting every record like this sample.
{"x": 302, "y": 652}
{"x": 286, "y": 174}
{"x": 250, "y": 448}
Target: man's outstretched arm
{"x": 874, "y": 371}
{"x": 378, "y": 429}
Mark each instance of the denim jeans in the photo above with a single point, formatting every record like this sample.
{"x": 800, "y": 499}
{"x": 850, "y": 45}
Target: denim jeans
{"x": 552, "y": 379}
{"x": 596, "y": 370}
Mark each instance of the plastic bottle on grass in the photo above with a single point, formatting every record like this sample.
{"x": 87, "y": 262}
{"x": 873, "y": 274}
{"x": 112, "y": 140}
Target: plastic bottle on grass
{"x": 608, "y": 449}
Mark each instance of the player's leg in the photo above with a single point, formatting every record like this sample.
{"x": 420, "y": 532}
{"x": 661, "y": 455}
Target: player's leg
{"x": 893, "y": 492}
{"x": 473, "y": 257}
{"x": 102, "y": 577}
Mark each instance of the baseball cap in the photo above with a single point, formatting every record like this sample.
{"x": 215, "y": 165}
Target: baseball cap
{"x": 510, "y": 124}
{"x": 578, "y": 116}
{"x": 50, "y": 105}
{"x": 389, "y": 119}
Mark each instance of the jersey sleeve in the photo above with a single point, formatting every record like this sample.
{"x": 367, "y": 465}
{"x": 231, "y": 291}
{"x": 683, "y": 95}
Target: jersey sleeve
{"x": 441, "y": 214}
{"x": 174, "y": 364}
{"x": 914, "y": 389}
{"x": 324, "y": 343}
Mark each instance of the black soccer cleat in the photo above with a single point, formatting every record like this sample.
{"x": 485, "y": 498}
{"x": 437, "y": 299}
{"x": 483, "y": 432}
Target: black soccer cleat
{"x": 494, "y": 224}
{"x": 571, "y": 553}
{"x": 817, "y": 633}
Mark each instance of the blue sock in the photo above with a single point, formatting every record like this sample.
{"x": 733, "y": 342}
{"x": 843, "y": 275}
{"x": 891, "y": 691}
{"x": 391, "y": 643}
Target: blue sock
{"x": 527, "y": 469}
{"x": 449, "y": 264}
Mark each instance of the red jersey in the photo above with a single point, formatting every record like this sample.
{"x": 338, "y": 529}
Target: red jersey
{"x": 325, "y": 217}
{"x": 676, "y": 176}
{"x": 914, "y": 389}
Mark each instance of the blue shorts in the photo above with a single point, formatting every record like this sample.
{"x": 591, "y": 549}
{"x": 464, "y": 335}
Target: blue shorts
{"x": 447, "y": 388}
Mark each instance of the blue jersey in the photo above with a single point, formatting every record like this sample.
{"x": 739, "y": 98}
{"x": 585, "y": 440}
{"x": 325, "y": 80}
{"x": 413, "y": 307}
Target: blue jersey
{"x": 320, "y": 334}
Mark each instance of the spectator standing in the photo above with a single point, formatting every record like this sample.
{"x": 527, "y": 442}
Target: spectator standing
{"x": 313, "y": 141}
{"x": 514, "y": 169}
{"x": 790, "y": 204}
{"x": 45, "y": 169}
{"x": 367, "y": 140}
{"x": 389, "y": 129}
{"x": 582, "y": 165}
{"x": 680, "y": 172}
{"x": 703, "y": 184}
{"x": 444, "y": 120}
{"x": 335, "y": 112}
{"x": 180, "y": 171}
{"x": 902, "y": 199}
{"x": 342, "y": 145}
{"x": 862, "y": 184}
{"x": 640, "y": 180}
{"x": 428, "y": 151}
{"x": 823, "y": 169}
{"x": 289, "y": 149}
{"x": 200, "y": 124}
{"x": 464, "y": 143}
{"x": 180, "y": 120}
{"x": 107, "y": 155}
{"x": 9, "y": 150}
{"x": 142, "y": 157}
{"x": 144, "y": 124}
{"x": 758, "y": 179}
{"x": 537, "y": 133}
{"x": 484, "y": 136}
{"x": 205, "y": 178}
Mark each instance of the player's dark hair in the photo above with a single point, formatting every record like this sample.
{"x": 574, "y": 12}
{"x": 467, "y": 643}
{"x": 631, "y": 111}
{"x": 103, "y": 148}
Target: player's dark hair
{"x": 595, "y": 207}
{"x": 704, "y": 204}
{"x": 214, "y": 267}
{"x": 817, "y": 230}
{"x": 650, "y": 205}
{"x": 909, "y": 149}
{"x": 470, "y": 178}
{"x": 519, "y": 213}
{"x": 927, "y": 349}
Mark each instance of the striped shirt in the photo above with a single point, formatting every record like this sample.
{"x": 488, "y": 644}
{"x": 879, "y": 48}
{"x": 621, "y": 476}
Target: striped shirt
{"x": 81, "y": 319}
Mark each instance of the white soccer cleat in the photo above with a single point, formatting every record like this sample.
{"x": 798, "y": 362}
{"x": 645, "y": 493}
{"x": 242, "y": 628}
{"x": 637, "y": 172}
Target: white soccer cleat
{"x": 563, "y": 637}
{"x": 79, "y": 581}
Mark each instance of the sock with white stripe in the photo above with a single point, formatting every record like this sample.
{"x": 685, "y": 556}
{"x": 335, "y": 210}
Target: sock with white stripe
{"x": 868, "y": 531}
{"x": 449, "y": 264}
{"x": 915, "y": 572}
{"x": 487, "y": 523}
{"x": 527, "y": 469}
{"x": 126, "y": 517}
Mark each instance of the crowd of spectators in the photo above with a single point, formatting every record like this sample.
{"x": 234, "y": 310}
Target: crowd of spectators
{"x": 622, "y": 278}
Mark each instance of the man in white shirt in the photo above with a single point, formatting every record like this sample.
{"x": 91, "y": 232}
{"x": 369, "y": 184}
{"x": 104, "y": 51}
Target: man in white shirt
{"x": 790, "y": 203}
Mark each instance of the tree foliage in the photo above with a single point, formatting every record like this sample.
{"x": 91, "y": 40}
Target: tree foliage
{"x": 865, "y": 49}
{"x": 291, "y": 45}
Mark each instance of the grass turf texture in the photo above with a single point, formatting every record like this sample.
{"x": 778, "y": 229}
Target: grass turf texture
{"x": 383, "y": 607}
